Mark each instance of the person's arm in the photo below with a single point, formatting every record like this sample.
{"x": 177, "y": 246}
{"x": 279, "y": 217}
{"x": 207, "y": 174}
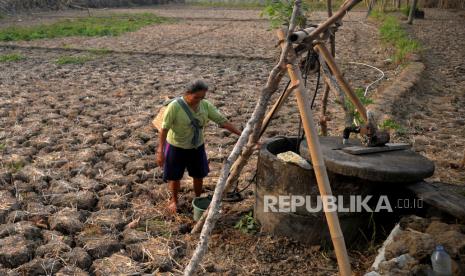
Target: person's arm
{"x": 161, "y": 143}
{"x": 231, "y": 127}
{"x": 217, "y": 117}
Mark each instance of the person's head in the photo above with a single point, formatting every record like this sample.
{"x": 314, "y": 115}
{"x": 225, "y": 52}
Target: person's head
{"x": 196, "y": 91}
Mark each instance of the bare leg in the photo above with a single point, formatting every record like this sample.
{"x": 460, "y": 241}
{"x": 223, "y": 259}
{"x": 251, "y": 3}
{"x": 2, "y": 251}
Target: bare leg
{"x": 198, "y": 185}
{"x": 173, "y": 186}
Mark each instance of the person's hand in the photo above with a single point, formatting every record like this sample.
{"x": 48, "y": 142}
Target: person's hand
{"x": 258, "y": 145}
{"x": 160, "y": 158}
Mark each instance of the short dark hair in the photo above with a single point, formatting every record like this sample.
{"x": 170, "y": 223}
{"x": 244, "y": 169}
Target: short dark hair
{"x": 196, "y": 86}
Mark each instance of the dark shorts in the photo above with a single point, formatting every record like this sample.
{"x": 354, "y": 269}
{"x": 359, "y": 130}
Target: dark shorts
{"x": 178, "y": 159}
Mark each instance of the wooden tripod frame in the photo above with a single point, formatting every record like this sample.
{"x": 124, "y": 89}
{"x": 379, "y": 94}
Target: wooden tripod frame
{"x": 316, "y": 155}
{"x": 251, "y": 134}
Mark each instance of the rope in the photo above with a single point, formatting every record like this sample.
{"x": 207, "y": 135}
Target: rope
{"x": 379, "y": 79}
{"x": 310, "y": 55}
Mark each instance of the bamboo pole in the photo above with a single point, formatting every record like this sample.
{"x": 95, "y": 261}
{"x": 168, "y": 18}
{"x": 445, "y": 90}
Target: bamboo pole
{"x": 332, "y": 37}
{"x": 324, "y": 101}
{"x": 313, "y": 33}
{"x": 321, "y": 49}
{"x": 462, "y": 164}
{"x": 316, "y": 155}
{"x": 331, "y": 81}
{"x": 275, "y": 108}
{"x": 241, "y": 161}
{"x": 250, "y": 133}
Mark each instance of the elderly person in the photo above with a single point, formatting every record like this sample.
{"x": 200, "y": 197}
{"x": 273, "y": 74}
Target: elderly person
{"x": 181, "y": 143}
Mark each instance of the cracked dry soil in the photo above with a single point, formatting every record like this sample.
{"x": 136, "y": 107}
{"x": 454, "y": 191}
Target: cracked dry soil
{"x": 78, "y": 150}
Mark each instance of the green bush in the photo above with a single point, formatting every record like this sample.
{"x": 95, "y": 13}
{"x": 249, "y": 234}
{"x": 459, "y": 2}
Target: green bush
{"x": 280, "y": 12}
{"x": 363, "y": 99}
{"x": 247, "y": 224}
{"x": 112, "y": 25}
{"x": 390, "y": 124}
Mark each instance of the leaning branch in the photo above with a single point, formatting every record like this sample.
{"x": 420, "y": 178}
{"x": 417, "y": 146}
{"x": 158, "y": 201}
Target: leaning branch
{"x": 249, "y": 133}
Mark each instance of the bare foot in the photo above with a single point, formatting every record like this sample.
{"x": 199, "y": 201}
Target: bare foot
{"x": 172, "y": 206}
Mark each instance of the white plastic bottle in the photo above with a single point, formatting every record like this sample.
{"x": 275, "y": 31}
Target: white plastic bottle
{"x": 441, "y": 262}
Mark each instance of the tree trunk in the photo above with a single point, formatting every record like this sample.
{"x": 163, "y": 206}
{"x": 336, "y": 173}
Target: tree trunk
{"x": 324, "y": 102}
{"x": 371, "y": 5}
{"x": 412, "y": 12}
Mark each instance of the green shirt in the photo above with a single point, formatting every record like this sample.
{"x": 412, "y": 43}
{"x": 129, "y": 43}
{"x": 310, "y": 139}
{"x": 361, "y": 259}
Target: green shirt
{"x": 181, "y": 131}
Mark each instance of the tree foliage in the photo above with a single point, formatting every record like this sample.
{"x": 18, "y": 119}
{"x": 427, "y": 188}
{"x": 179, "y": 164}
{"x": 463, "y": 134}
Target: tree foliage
{"x": 279, "y": 12}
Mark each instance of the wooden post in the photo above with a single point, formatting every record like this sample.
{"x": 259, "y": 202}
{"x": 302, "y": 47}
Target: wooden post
{"x": 275, "y": 108}
{"x": 412, "y": 12}
{"x": 371, "y": 5}
{"x": 331, "y": 81}
{"x": 316, "y": 155}
{"x": 342, "y": 82}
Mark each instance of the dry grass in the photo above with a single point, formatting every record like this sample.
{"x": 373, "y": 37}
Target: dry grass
{"x": 90, "y": 230}
{"x": 117, "y": 264}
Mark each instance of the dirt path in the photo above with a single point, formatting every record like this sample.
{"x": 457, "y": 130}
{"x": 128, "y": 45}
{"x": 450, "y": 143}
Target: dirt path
{"x": 435, "y": 113}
